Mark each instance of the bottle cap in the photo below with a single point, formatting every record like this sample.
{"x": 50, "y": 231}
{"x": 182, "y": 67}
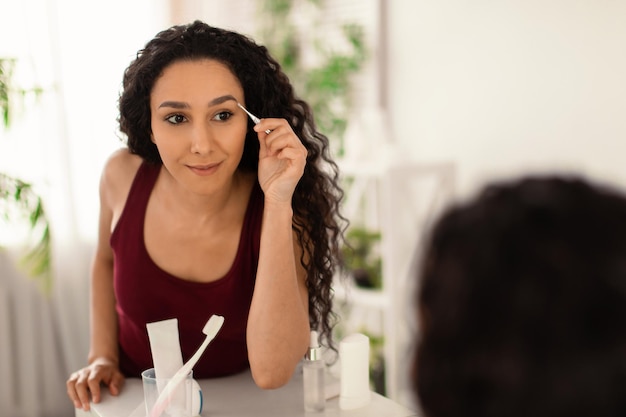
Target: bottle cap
{"x": 315, "y": 352}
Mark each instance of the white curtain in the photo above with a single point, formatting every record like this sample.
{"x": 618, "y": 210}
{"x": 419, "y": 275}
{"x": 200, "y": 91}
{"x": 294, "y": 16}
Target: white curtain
{"x": 76, "y": 52}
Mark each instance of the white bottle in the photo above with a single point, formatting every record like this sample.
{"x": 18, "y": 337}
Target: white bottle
{"x": 354, "y": 352}
{"x": 313, "y": 376}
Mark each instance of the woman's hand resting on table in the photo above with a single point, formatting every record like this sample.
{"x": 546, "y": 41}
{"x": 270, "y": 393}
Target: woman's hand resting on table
{"x": 89, "y": 379}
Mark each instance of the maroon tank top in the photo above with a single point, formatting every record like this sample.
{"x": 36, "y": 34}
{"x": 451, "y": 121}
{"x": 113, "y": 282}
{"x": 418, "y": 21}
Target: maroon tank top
{"x": 145, "y": 293}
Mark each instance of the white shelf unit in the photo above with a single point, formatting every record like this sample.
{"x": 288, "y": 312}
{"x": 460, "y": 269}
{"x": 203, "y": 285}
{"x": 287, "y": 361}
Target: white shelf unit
{"x": 398, "y": 201}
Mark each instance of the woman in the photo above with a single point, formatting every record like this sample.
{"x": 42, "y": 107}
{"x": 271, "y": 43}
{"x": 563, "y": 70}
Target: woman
{"x": 206, "y": 213}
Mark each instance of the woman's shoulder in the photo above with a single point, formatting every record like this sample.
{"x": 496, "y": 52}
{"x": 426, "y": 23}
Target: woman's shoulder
{"x": 123, "y": 159}
{"x": 118, "y": 174}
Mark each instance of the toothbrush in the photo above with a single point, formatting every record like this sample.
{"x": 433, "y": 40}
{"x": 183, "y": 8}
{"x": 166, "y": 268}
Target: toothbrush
{"x": 255, "y": 119}
{"x": 210, "y": 330}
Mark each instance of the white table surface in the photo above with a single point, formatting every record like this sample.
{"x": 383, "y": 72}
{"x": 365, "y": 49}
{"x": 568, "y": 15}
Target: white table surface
{"x": 237, "y": 395}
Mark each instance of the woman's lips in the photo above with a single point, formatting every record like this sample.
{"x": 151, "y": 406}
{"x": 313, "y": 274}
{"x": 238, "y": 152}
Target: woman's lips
{"x": 203, "y": 170}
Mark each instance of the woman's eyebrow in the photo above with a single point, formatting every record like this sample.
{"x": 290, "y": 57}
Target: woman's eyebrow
{"x": 174, "y": 104}
{"x": 183, "y": 105}
{"x": 222, "y": 99}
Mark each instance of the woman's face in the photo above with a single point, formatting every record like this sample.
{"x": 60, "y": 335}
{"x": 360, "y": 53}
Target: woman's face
{"x": 196, "y": 124}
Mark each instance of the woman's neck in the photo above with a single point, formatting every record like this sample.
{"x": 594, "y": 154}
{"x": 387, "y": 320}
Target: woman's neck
{"x": 182, "y": 202}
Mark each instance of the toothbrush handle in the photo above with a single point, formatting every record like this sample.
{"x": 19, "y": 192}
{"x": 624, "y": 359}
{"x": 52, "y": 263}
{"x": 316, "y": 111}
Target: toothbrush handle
{"x": 165, "y": 397}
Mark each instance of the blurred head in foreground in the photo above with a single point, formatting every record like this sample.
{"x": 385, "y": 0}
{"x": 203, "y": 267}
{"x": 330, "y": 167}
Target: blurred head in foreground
{"x": 522, "y": 303}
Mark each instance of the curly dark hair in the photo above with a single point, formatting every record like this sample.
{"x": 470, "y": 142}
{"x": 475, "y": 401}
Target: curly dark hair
{"x": 317, "y": 221}
{"x": 522, "y": 303}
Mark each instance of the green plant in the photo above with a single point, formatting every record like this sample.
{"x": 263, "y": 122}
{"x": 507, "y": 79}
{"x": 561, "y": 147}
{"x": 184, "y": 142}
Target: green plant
{"x": 18, "y": 201}
{"x": 326, "y": 86}
{"x": 6, "y": 71}
{"x": 360, "y": 257}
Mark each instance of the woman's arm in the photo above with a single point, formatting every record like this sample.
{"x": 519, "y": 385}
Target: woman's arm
{"x": 278, "y": 323}
{"x": 103, "y": 360}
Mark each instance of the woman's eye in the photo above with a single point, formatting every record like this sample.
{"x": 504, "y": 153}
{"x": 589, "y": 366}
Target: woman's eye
{"x": 222, "y": 116}
{"x": 175, "y": 119}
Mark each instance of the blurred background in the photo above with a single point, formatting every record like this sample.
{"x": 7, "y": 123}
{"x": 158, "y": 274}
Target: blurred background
{"x": 424, "y": 101}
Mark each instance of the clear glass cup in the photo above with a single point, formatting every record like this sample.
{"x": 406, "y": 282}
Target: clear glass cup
{"x": 181, "y": 402}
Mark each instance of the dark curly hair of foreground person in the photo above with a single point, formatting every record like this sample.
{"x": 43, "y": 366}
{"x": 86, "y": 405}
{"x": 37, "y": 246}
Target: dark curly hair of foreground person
{"x": 522, "y": 303}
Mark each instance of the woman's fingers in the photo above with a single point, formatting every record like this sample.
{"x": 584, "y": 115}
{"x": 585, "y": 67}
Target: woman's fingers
{"x": 79, "y": 388}
{"x": 279, "y": 144}
{"x": 94, "y": 385}
{"x": 71, "y": 390}
{"x": 271, "y": 125}
{"x": 281, "y": 136}
{"x": 282, "y": 159}
{"x": 87, "y": 383}
{"x": 116, "y": 384}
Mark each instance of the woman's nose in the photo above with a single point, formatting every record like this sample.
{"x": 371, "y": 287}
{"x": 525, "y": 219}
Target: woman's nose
{"x": 201, "y": 140}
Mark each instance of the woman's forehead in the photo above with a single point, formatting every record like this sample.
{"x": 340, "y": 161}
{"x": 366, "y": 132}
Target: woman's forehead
{"x": 190, "y": 77}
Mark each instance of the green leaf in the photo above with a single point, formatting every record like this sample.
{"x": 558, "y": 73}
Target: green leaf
{"x": 327, "y": 87}
{"x": 22, "y": 204}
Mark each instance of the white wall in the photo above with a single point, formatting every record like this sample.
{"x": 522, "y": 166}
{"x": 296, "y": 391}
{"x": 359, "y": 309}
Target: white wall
{"x": 505, "y": 87}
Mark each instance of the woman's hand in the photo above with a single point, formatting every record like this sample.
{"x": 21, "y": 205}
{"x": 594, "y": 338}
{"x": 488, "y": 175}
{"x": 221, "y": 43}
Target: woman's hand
{"x": 282, "y": 158}
{"x": 88, "y": 380}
